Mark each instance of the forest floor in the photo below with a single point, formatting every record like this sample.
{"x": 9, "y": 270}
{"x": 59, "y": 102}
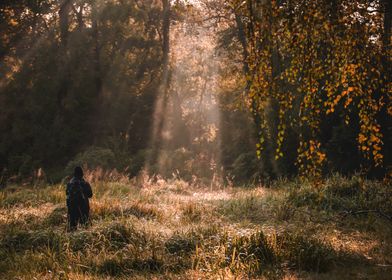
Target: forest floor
{"x": 172, "y": 230}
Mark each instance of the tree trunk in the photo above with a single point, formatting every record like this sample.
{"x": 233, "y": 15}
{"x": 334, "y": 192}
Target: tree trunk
{"x": 162, "y": 96}
{"x": 244, "y": 45}
{"x": 166, "y": 35}
{"x": 96, "y": 58}
{"x": 65, "y": 8}
{"x": 79, "y": 16}
{"x": 386, "y": 37}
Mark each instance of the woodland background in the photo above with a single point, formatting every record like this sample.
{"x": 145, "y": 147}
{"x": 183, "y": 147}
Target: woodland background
{"x": 299, "y": 87}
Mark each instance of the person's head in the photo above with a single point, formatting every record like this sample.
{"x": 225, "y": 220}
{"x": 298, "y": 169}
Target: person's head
{"x": 78, "y": 172}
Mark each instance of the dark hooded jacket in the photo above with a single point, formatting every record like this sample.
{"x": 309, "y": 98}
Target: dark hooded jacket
{"x": 78, "y": 193}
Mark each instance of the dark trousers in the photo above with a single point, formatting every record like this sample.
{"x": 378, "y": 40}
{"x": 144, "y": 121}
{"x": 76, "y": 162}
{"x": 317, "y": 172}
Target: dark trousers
{"x": 77, "y": 215}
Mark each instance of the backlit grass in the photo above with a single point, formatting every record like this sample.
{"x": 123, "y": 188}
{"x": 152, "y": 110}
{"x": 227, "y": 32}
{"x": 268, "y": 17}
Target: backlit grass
{"x": 170, "y": 230}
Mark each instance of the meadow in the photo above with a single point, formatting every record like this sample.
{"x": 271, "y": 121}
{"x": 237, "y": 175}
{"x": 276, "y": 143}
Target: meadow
{"x": 151, "y": 228}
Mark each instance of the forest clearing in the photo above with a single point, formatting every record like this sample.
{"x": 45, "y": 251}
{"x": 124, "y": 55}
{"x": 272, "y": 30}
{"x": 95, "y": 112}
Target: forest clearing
{"x": 195, "y": 139}
{"x": 173, "y": 230}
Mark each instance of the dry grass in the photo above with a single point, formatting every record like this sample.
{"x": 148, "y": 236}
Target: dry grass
{"x": 160, "y": 229}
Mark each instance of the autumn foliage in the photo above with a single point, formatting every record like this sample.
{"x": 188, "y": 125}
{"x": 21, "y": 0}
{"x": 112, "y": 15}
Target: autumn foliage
{"x": 315, "y": 59}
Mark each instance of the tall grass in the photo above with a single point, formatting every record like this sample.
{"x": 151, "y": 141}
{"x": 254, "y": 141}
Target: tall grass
{"x": 172, "y": 230}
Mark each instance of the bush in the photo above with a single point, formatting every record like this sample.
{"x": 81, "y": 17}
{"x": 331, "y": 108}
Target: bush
{"x": 21, "y": 165}
{"x": 138, "y": 161}
{"x": 245, "y": 168}
{"x": 93, "y": 157}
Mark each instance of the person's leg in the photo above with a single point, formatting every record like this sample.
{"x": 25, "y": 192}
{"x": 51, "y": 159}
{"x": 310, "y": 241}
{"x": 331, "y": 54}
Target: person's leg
{"x": 72, "y": 220}
{"x": 79, "y": 216}
{"x": 85, "y": 216}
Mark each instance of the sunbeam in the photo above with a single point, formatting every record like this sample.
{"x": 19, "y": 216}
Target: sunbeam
{"x": 186, "y": 123}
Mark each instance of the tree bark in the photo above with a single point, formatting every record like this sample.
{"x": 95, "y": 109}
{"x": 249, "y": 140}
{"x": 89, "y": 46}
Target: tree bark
{"x": 162, "y": 96}
{"x": 79, "y": 15}
{"x": 386, "y": 37}
{"x": 166, "y": 34}
{"x": 65, "y": 8}
{"x": 96, "y": 58}
{"x": 244, "y": 45}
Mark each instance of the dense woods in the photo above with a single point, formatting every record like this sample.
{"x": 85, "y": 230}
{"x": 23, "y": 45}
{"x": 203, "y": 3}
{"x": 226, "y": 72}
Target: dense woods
{"x": 241, "y": 89}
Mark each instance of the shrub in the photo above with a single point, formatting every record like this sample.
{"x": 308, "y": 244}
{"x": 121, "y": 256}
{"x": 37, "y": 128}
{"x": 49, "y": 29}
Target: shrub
{"x": 22, "y": 165}
{"x": 245, "y": 168}
{"x": 93, "y": 157}
{"x": 137, "y": 162}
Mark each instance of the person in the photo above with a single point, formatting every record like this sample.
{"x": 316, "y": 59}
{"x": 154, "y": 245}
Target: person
{"x": 78, "y": 192}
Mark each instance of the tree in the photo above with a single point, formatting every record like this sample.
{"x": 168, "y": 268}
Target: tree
{"x": 77, "y": 74}
{"x": 313, "y": 62}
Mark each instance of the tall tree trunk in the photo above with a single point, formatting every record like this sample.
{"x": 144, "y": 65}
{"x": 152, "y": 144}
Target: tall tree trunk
{"x": 79, "y": 15}
{"x": 386, "y": 36}
{"x": 162, "y": 97}
{"x": 96, "y": 56}
{"x": 166, "y": 52}
{"x": 244, "y": 45}
{"x": 165, "y": 61}
{"x": 166, "y": 35}
{"x": 65, "y": 8}
{"x": 241, "y": 35}
{"x": 385, "y": 119}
